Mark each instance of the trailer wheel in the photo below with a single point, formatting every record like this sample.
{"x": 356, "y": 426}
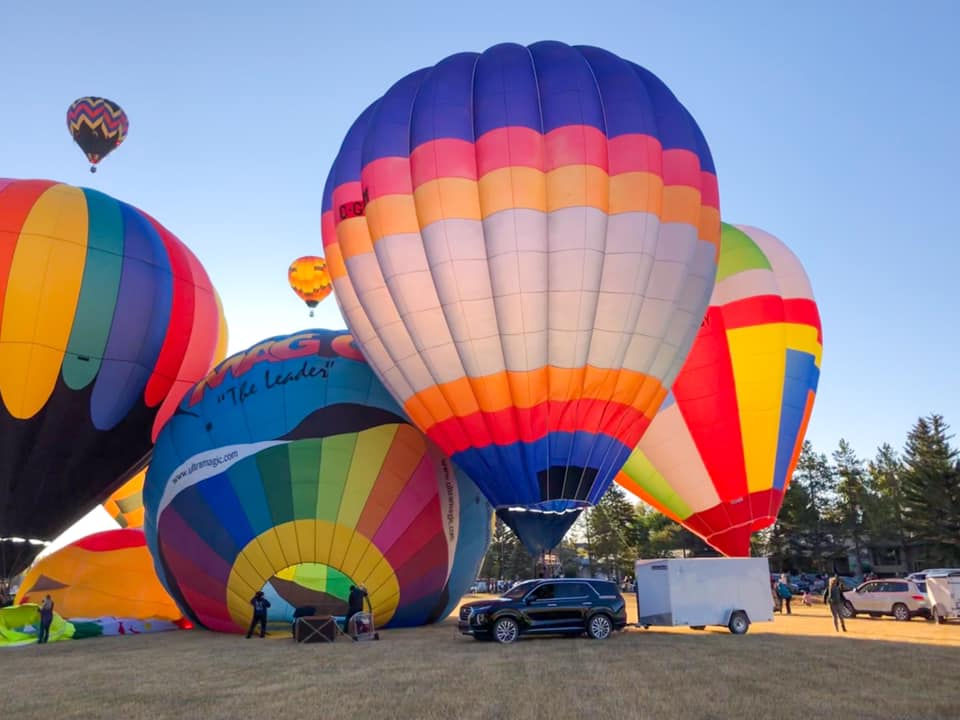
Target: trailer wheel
{"x": 938, "y": 618}
{"x": 739, "y": 623}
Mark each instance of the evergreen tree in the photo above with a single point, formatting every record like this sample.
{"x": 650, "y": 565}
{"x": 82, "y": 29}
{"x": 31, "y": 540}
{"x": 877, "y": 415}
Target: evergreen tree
{"x": 816, "y": 476}
{"x": 885, "y": 472}
{"x": 852, "y": 501}
{"x": 931, "y": 488}
{"x": 609, "y": 524}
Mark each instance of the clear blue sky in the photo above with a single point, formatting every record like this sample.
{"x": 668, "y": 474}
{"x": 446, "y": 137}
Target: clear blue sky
{"x": 833, "y": 125}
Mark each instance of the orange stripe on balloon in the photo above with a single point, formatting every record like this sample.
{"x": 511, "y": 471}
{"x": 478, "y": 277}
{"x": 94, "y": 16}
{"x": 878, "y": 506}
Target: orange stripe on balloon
{"x": 16, "y": 200}
{"x": 512, "y": 188}
{"x": 510, "y": 389}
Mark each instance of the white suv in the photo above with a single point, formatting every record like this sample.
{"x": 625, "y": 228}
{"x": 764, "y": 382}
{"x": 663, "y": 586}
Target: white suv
{"x": 902, "y": 598}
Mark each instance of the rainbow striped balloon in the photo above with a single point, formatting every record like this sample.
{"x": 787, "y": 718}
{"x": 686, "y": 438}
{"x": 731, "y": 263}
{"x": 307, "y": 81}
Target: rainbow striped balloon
{"x": 106, "y": 319}
{"x": 523, "y": 242}
{"x": 291, "y": 470}
{"x": 719, "y": 455}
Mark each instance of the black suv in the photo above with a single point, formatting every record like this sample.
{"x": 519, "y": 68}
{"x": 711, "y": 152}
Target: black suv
{"x": 570, "y": 606}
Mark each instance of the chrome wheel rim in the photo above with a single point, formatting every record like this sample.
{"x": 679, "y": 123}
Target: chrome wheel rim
{"x": 506, "y": 631}
{"x": 600, "y": 627}
{"x": 901, "y": 613}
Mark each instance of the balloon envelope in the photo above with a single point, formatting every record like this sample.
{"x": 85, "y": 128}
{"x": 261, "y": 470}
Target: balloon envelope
{"x": 720, "y": 453}
{"x": 523, "y": 242}
{"x": 125, "y": 504}
{"x": 102, "y": 575}
{"x": 309, "y": 279}
{"x": 291, "y": 470}
{"x": 106, "y": 319}
{"x": 98, "y": 126}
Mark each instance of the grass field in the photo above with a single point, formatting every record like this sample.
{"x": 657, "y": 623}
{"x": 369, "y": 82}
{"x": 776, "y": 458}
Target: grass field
{"x": 795, "y": 667}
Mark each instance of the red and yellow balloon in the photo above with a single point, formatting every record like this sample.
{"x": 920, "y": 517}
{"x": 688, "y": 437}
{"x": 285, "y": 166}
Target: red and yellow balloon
{"x": 719, "y": 455}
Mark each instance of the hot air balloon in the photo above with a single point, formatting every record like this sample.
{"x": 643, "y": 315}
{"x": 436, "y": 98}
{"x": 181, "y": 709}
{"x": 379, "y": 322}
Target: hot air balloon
{"x": 310, "y": 280}
{"x": 291, "y": 470}
{"x": 125, "y": 505}
{"x": 106, "y": 319}
{"x": 106, "y": 574}
{"x": 98, "y": 126}
{"x": 719, "y": 455}
{"x": 523, "y": 243}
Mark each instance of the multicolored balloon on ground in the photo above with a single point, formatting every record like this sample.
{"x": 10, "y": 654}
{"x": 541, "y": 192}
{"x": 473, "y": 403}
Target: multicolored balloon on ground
{"x": 125, "y": 505}
{"x": 523, "y": 242}
{"x": 107, "y": 574}
{"x": 310, "y": 280}
{"x": 106, "y": 319}
{"x": 98, "y": 126}
{"x": 289, "y": 469}
{"x": 719, "y": 455}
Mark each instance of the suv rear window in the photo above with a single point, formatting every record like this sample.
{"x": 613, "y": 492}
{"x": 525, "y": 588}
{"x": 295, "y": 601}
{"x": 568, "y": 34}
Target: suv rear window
{"x": 605, "y": 587}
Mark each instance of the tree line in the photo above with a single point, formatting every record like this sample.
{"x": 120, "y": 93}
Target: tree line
{"x": 840, "y": 513}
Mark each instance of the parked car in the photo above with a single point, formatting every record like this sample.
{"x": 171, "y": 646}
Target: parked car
{"x": 903, "y": 599}
{"x": 922, "y": 575}
{"x": 568, "y": 606}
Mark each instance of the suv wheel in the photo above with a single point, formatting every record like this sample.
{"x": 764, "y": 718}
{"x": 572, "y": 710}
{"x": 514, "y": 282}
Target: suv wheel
{"x": 901, "y": 612}
{"x": 848, "y": 611}
{"x": 599, "y": 627}
{"x": 506, "y": 630}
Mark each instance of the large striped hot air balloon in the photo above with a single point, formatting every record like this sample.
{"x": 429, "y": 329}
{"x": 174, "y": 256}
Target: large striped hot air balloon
{"x": 719, "y": 455}
{"x": 291, "y": 470}
{"x": 106, "y": 319}
{"x": 523, "y": 242}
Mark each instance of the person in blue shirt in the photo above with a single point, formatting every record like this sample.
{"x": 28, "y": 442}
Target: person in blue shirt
{"x": 260, "y": 605}
{"x": 784, "y": 593}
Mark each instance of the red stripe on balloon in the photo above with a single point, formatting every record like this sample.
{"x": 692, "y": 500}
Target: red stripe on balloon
{"x": 707, "y": 399}
{"x": 348, "y": 192}
{"x": 112, "y": 540}
{"x": 181, "y": 320}
{"x": 681, "y": 167}
{"x": 575, "y": 145}
{"x": 199, "y": 355}
{"x": 386, "y": 176}
{"x": 448, "y": 157}
{"x": 510, "y": 147}
{"x": 510, "y": 425}
{"x": 756, "y": 310}
{"x": 803, "y": 312}
{"x": 328, "y": 228}
{"x": 635, "y": 153}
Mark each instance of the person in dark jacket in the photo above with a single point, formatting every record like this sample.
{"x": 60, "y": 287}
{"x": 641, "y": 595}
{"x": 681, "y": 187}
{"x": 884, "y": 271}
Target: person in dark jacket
{"x": 260, "y": 605}
{"x": 833, "y": 596}
{"x": 46, "y": 618}
{"x": 354, "y": 604}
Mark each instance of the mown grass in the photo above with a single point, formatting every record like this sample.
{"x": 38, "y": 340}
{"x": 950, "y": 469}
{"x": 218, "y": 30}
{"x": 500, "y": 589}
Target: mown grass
{"x": 796, "y": 666}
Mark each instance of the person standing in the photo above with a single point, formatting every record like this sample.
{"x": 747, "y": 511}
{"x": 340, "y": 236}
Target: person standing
{"x": 833, "y": 596}
{"x": 260, "y": 605}
{"x": 46, "y": 619}
{"x": 354, "y": 604}
{"x": 784, "y": 593}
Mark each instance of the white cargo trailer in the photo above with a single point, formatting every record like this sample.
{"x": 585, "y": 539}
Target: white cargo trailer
{"x": 943, "y": 593}
{"x": 732, "y": 592}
